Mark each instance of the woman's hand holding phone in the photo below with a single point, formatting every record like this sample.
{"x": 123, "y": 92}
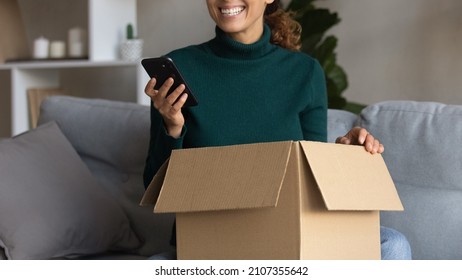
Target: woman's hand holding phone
{"x": 166, "y": 105}
{"x": 168, "y": 92}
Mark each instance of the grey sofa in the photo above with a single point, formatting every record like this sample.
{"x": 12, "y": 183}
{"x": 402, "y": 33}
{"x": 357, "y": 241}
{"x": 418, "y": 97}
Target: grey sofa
{"x": 422, "y": 153}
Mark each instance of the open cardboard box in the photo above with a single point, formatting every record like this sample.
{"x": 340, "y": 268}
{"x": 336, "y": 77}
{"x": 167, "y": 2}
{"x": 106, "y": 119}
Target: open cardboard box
{"x": 280, "y": 200}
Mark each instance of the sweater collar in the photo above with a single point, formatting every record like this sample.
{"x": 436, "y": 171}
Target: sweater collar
{"x": 224, "y": 46}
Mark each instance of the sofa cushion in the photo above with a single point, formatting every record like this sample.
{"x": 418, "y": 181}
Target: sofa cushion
{"x": 339, "y": 122}
{"x": 50, "y": 204}
{"x": 422, "y": 153}
{"x": 112, "y": 139}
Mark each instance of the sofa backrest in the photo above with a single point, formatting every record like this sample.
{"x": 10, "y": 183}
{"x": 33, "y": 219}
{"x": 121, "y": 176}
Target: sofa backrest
{"x": 422, "y": 151}
{"x": 339, "y": 122}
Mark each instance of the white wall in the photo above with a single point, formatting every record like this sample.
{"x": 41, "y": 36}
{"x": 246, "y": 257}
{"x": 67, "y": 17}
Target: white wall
{"x": 398, "y": 49}
{"x": 390, "y": 49}
{"x": 170, "y": 24}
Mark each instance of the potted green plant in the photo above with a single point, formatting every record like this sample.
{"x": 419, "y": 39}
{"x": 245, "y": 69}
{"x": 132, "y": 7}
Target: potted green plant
{"x": 315, "y": 23}
{"x": 131, "y": 48}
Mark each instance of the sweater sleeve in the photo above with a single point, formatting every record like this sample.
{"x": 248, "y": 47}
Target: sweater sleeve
{"x": 160, "y": 146}
{"x": 314, "y": 116}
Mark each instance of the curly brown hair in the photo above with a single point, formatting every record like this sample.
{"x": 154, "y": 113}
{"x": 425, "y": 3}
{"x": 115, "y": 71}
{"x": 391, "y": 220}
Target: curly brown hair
{"x": 286, "y": 31}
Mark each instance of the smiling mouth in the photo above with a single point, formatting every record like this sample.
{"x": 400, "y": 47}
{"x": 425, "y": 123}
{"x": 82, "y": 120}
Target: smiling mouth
{"x": 231, "y": 11}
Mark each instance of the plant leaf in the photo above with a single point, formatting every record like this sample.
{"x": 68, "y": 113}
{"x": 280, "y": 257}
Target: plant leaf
{"x": 338, "y": 77}
{"x": 310, "y": 43}
{"x": 317, "y": 21}
{"x": 326, "y": 49}
{"x": 300, "y": 5}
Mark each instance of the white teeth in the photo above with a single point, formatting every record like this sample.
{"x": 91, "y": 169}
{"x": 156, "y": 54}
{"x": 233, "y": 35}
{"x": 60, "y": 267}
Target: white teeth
{"x": 232, "y": 11}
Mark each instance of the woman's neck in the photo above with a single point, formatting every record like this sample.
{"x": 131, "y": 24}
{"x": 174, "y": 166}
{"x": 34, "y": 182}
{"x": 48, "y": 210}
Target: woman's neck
{"x": 247, "y": 37}
{"x": 225, "y": 46}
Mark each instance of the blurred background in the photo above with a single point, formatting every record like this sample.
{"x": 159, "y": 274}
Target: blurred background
{"x": 394, "y": 49}
{"x": 389, "y": 49}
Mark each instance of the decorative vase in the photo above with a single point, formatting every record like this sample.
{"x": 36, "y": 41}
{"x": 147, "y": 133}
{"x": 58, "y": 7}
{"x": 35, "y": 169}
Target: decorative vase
{"x": 131, "y": 50}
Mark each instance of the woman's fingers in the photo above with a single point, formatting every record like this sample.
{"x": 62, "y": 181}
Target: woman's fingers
{"x": 168, "y": 105}
{"x": 360, "y": 136}
{"x": 175, "y": 95}
{"x": 179, "y": 103}
{"x": 159, "y": 97}
{"x": 149, "y": 88}
{"x": 163, "y": 90}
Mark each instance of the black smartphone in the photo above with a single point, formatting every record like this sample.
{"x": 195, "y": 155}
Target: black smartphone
{"x": 163, "y": 68}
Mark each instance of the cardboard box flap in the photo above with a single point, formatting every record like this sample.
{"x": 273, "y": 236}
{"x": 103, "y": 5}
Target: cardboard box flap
{"x": 350, "y": 178}
{"x": 223, "y": 178}
{"x": 152, "y": 192}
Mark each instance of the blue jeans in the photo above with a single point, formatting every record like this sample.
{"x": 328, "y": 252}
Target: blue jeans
{"x": 171, "y": 255}
{"x": 394, "y": 246}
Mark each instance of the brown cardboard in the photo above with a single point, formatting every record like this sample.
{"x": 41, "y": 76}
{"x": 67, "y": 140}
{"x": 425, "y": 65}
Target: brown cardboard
{"x": 13, "y": 42}
{"x": 35, "y": 97}
{"x": 281, "y": 200}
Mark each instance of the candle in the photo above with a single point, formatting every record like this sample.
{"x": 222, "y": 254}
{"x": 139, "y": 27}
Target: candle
{"x": 76, "y": 42}
{"x": 57, "y": 49}
{"x": 76, "y": 49}
{"x": 41, "y": 45}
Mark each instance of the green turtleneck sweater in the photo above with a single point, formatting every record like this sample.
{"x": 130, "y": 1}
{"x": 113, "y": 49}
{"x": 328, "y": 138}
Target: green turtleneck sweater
{"x": 247, "y": 94}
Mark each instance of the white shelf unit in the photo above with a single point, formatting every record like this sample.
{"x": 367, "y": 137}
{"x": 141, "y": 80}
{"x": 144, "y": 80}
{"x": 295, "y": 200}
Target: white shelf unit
{"x": 107, "y": 21}
{"x": 27, "y": 75}
{"x": 106, "y": 29}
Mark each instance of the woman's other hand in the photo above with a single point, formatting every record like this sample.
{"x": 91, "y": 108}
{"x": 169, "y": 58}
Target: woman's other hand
{"x": 360, "y": 136}
{"x": 166, "y": 105}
